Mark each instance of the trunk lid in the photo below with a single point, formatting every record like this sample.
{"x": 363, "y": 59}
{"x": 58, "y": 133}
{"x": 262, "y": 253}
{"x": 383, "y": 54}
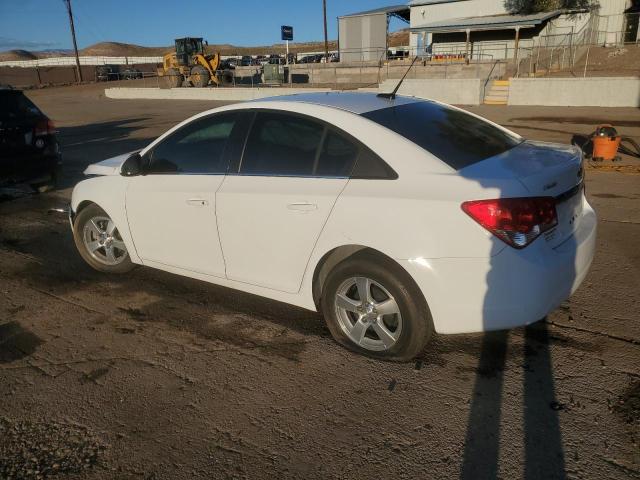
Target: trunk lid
{"x": 545, "y": 170}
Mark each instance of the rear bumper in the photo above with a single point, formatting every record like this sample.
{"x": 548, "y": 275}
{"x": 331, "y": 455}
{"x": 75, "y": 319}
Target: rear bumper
{"x": 31, "y": 169}
{"x": 509, "y": 289}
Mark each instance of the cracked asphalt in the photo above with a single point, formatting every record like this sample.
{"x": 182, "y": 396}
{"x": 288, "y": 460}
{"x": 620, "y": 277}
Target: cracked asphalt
{"x": 155, "y": 376}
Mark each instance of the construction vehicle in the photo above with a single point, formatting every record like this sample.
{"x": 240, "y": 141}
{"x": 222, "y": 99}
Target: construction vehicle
{"x": 190, "y": 64}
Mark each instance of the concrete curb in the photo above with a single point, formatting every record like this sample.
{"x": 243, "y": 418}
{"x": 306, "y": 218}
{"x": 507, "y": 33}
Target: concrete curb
{"x": 220, "y": 94}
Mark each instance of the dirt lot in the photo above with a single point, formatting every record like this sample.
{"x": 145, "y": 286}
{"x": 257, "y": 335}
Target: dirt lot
{"x": 159, "y": 377}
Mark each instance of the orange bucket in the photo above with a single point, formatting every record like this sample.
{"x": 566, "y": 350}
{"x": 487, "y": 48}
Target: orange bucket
{"x": 605, "y": 143}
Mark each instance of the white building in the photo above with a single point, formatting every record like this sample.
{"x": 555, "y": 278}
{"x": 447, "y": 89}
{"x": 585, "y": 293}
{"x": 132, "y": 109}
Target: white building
{"x": 483, "y": 29}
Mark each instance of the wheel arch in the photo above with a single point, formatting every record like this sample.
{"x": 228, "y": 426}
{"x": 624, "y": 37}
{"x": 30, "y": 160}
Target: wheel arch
{"x": 338, "y": 254}
{"x": 107, "y": 193}
{"x": 84, "y": 204}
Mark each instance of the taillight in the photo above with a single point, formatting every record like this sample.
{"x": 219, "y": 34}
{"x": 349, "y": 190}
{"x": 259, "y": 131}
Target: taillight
{"x": 44, "y": 127}
{"x": 515, "y": 221}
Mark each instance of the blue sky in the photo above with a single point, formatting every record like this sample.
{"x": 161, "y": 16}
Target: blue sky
{"x": 43, "y": 24}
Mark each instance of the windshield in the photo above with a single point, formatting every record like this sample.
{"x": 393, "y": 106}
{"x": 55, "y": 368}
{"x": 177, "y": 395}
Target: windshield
{"x": 454, "y": 136}
{"x": 188, "y": 46}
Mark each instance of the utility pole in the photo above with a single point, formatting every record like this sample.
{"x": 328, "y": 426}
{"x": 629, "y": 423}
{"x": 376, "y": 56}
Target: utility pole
{"x": 73, "y": 36}
{"x": 326, "y": 42}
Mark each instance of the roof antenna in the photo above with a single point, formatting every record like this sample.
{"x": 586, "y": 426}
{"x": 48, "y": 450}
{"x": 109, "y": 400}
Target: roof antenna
{"x": 392, "y": 95}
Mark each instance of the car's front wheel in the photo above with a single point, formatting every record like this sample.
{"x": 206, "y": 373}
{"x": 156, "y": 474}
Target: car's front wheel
{"x": 99, "y": 242}
{"x": 372, "y": 306}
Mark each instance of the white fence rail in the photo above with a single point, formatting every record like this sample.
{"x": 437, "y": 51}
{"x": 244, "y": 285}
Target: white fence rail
{"x": 84, "y": 60}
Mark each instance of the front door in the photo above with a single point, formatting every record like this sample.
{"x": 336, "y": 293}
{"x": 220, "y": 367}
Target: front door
{"x": 171, "y": 208}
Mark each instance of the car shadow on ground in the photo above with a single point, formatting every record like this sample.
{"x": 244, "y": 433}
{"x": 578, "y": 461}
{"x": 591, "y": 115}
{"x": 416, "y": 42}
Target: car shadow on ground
{"x": 208, "y": 311}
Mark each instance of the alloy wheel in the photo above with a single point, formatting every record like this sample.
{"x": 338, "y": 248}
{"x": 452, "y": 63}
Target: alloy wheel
{"x": 368, "y": 314}
{"x": 103, "y": 241}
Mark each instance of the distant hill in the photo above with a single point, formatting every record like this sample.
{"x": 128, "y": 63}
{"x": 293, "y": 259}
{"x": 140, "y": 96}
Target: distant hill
{"x": 117, "y": 49}
{"x": 17, "y": 55}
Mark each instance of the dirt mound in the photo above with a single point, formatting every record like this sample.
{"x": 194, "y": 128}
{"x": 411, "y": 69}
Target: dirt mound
{"x": 17, "y": 55}
{"x": 399, "y": 38}
{"x": 116, "y": 49}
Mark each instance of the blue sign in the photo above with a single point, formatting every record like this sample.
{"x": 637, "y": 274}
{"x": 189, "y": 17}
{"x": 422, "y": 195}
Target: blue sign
{"x": 287, "y": 32}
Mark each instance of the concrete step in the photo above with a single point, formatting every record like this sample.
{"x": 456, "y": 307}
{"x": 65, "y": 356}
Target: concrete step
{"x": 498, "y": 93}
{"x": 493, "y": 98}
{"x": 494, "y": 102}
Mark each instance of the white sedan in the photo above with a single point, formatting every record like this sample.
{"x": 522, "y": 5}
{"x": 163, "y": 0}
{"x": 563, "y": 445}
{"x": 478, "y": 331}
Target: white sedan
{"x": 395, "y": 217}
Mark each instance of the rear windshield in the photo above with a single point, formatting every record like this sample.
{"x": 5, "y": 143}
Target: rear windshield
{"x": 455, "y": 137}
{"x": 14, "y": 104}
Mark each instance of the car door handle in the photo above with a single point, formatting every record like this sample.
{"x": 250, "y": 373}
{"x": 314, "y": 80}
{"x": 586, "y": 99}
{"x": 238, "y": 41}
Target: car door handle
{"x": 302, "y": 206}
{"x": 197, "y": 202}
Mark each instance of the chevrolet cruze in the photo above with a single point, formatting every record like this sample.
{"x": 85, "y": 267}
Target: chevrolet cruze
{"x": 395, "y": 217}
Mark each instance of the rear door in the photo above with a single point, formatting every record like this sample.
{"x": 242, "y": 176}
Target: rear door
{"x": 271, "y": 212}
{"x": 171, "y": 208}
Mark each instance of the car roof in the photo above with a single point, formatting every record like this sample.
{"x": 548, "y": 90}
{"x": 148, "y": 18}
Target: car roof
{"x": 354, "y": 102}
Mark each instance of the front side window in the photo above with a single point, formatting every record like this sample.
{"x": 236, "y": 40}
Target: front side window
{"x": 197, "y": 148}
{"x": 14, "y": 104}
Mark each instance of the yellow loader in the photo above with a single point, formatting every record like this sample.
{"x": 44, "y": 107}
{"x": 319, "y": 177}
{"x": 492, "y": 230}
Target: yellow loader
{"x": 189, "y": 63}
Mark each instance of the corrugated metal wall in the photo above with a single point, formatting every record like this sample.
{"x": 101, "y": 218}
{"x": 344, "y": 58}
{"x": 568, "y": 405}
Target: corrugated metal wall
{"x": 363, "y": 37}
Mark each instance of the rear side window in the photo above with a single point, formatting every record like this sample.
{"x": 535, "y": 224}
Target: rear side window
{"x": 336, "y": 156}
{"x": 15, "y": 105}
{"x": 197, "y": 148}
{"x": 284, "y": 144}
{"x": 281, "y": 144}
{"x": 455, "y": 137}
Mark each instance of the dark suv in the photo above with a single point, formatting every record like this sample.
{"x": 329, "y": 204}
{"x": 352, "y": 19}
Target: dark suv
{"x": 29, "y": 150}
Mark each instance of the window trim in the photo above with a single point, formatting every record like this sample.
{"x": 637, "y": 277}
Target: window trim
{"x": 327, "y": 127}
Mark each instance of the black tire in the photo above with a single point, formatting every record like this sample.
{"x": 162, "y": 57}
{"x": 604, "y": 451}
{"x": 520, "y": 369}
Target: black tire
{"x": 417, "y": 325}
{"x": 199, "y": 76}
{"x": 174, "y": 78}
{"x": 88, "y": 213}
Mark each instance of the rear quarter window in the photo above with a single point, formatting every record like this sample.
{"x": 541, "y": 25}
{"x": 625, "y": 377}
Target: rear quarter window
{"x": 455, "y": 137}
{"x": 14, "y": 104}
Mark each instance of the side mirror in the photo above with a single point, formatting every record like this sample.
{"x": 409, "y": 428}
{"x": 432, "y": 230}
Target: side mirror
{"x": 206, "y": 43}
{"x": 132, "y": 166}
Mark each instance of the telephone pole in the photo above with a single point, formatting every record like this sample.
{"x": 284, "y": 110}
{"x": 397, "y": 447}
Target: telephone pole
{"x": 326, "y": 42}
{"x": 73, "y": 36}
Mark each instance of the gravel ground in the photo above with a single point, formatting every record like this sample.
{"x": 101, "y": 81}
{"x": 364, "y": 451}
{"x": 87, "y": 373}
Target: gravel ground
{"x": 151, "y": 375}
{"x": 41, "y": 449}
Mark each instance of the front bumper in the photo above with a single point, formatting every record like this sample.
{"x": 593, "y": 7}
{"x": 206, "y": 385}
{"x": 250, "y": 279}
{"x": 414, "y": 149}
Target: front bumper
{"x": 511, "y": 288}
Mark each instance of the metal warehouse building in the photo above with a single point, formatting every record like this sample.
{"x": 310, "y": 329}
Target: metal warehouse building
{"x": 363, "y": 36}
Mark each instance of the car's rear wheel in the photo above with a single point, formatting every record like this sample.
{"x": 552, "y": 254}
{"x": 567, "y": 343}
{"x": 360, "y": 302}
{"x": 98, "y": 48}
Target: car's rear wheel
{"x": 99, "y": 242}
{"x": 372, "y": 306}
